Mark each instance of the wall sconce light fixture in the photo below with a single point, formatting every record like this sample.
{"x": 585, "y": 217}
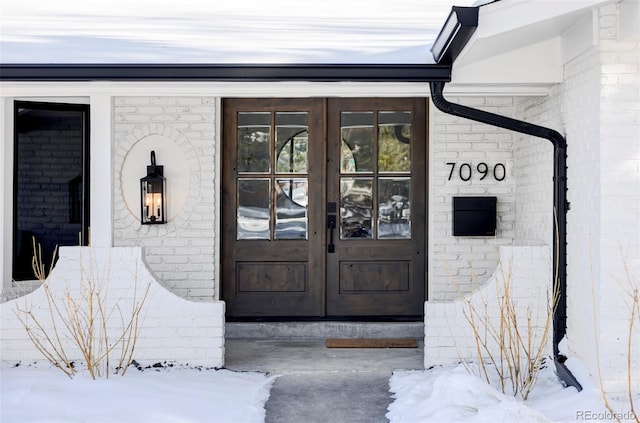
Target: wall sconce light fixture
{"x": 153, "y": 195}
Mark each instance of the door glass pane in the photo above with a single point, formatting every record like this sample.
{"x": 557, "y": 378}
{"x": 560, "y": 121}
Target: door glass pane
{"x": 254, "y": 135}
{"x": 291, "y": 208}
{"x": 356, "y": 207}
{"x": 291, "y": 142}
{"x": 357, "y": 142}
{"x": 394, "y": 211}
{"x": 253, "y": 209}
{"x": 394, "y": 137}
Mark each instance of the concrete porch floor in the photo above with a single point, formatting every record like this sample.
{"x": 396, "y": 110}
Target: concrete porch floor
{"x": 319, "y": 384}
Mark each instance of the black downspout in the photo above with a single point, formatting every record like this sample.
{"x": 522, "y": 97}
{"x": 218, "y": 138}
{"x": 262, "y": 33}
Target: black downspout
{"x": 560, "y": 206}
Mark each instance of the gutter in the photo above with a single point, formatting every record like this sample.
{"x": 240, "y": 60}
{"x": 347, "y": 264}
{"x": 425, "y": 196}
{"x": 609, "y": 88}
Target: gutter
{"x": 467, "y": 19}
{"x": 226, "y": 72}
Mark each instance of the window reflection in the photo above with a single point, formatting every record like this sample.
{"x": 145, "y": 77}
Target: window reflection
{"x": 356, "y": 207}
{"x": 254, "y": 136}
{"x": 253, "y": 209}
{"x": 394, "y": 138}
{"x": 357, "y": 142}
{"x": 394, "y": 208}
{"x": 291, "y": 208}
{"x": 292, "y": 137}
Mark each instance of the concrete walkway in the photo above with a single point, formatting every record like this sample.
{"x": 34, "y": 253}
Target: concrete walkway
{"x": 319, "y": 384}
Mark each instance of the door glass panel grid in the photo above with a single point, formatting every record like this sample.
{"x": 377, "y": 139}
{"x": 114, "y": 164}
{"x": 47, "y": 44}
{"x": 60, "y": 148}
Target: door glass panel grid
{"x": 385, "y": 136}
{"x": 272, "y": 190}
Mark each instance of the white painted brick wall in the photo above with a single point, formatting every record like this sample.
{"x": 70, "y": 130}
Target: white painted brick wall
{"x": 181, "y": 253}
{"x": 448, "y": 334}
{"x": 171, "y": 328}
{"x": 598, "y": 108}
{"x": 467, "y": 260}
{"x": 534, "y": 172}
{"x": 619, "y": 195}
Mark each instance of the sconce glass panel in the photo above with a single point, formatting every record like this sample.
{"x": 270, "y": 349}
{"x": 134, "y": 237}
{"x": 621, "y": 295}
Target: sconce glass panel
{"x": 153, "y": 200}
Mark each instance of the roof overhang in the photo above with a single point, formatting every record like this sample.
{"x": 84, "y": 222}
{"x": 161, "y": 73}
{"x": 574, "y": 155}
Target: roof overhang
{"x": 525, "y": 42}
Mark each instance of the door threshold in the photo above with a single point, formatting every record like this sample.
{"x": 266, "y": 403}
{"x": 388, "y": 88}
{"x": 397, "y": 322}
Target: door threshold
{"x": 357, "y": 319}
{"x": 324, "y": 329}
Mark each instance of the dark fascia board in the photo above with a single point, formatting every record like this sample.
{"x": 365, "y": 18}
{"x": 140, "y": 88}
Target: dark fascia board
{"x": 226, "y": 72}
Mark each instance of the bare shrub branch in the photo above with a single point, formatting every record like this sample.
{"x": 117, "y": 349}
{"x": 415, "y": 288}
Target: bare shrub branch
{"x": 515, "y": 342}
{"x": 85, "y": 318}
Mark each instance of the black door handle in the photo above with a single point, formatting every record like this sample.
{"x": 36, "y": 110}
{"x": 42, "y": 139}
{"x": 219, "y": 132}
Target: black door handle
{"x": 331, "y": 225}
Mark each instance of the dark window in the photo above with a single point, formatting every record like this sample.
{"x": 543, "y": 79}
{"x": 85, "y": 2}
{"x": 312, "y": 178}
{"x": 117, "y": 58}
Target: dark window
{"x": 51, "y": 186}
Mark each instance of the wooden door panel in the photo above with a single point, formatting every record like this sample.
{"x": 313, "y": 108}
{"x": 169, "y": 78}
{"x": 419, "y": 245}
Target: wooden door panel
{"x": 370, "y": 178}
{"x": 259, "y": 276}
{"x": 374, "y": 276}
{"x": 378, "y": 264}
{"x": 276, "y": 275}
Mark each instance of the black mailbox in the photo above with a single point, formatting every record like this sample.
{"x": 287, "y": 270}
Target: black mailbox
{"x": 474, "y": 216}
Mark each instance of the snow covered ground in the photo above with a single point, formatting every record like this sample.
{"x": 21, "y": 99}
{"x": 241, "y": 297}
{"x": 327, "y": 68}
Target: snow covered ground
{"x": 453, "y": 395}
{"x": 39, "y": 393}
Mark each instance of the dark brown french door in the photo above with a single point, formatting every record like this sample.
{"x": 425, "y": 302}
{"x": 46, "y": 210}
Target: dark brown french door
{"x": 324, "y": 211}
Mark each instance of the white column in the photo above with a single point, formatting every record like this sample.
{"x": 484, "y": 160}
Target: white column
{"x": 6, "y": 199}
{"x": 101, "y": 182}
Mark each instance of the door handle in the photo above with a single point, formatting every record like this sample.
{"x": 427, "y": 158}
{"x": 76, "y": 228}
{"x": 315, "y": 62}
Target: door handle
{"x": 331, "y": 225}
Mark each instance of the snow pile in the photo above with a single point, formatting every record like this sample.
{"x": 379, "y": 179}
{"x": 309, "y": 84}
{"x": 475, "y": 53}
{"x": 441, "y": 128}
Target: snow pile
{"x": 41, "y": 393}
{"x": 451, "y": 394}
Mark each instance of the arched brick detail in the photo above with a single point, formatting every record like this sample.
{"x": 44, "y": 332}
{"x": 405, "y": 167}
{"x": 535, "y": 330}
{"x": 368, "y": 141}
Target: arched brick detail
{"x": 138, "y": 134}
{"x": 180, "y": 253}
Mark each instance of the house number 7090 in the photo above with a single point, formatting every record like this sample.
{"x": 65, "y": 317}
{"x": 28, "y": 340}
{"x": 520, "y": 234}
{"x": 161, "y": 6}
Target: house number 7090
{"x": 465, "y": 171}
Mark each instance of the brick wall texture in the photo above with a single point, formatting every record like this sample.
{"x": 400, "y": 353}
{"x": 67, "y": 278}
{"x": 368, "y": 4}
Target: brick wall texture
{"x": 525, "y": 272}
{"x": 457, "y": 264}
{"x": 597, "y": 107}
{"x": 181, "y": 253}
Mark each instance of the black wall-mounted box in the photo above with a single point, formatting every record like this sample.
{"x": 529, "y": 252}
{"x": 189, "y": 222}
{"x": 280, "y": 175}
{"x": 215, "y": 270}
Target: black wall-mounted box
{"x": 474, "y": 216}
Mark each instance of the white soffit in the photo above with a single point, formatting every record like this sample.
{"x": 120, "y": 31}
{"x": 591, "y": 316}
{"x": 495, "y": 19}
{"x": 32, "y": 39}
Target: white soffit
{"x": 525, "y": 42}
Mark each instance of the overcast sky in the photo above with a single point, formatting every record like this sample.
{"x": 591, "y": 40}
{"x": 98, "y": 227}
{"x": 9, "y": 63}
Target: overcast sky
{"x": 220, "y": 31}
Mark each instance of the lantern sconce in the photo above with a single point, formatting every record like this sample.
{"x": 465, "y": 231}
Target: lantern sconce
{"x": 153, "y": 195}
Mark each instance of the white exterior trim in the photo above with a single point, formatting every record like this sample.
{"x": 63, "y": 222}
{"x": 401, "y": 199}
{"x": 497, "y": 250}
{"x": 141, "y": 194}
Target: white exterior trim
{"x": 101, "y": 196}
{"x": 217, "y": 201}
{"x": 6, "y": 200}
{"x": 258, "y": 89}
